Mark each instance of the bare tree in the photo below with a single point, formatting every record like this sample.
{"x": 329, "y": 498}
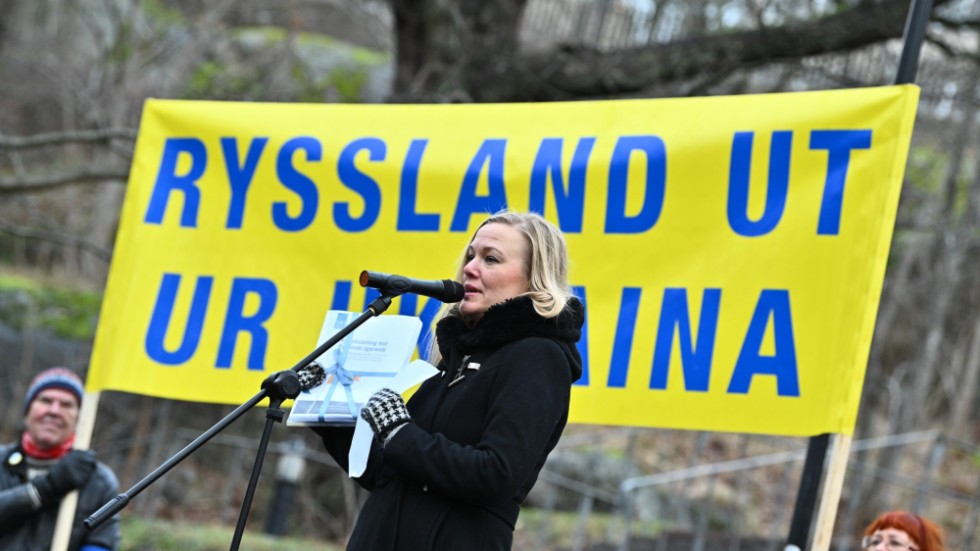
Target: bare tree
{"x": 76, "y": 74}
{"x": 468, "y": 51}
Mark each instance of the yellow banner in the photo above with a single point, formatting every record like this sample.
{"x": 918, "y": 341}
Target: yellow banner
{"x": 730, "y": 250}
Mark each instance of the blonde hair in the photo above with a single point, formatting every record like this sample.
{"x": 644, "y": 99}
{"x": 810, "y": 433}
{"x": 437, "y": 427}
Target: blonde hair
{"x": 546, "y": 267}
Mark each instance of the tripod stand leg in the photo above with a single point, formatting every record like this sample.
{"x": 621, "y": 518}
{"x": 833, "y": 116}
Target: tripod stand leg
{"x": 272, "y": 415}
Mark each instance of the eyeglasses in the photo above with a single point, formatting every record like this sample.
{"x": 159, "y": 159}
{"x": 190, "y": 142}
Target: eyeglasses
{"x": 891, "y": 544}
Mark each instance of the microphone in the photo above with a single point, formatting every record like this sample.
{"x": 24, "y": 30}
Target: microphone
{"x": 445, "y": 290}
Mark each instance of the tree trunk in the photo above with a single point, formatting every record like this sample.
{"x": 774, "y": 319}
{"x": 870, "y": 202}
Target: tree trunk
{"x": 449, "y": 51}
{"x": 962, "y": 420}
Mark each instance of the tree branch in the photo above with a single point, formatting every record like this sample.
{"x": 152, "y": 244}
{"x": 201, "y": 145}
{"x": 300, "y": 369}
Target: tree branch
{"x": 46, "y": 182}
{"x": 61, "y": 138}
{"x": 958, "y": 24}
{"x": 581, "y": 72}
{"x": 41, "y": 235}
{"x": 946, "y": 47}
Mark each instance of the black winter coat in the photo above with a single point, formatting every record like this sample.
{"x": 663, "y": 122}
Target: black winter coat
{"x": 455, "y": 477}
{"x": 22, "y": 528}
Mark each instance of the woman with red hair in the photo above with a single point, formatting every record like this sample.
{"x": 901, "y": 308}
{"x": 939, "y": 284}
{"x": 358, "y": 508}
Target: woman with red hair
{"x": 902, "y": 531}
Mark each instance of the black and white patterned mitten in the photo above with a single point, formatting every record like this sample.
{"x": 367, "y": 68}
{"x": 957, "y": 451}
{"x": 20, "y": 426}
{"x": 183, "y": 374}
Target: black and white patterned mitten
{"x": 385, "y": 411}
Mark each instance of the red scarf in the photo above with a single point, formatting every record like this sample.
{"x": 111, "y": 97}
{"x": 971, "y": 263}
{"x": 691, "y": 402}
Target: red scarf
{"x": 33, "y": 450}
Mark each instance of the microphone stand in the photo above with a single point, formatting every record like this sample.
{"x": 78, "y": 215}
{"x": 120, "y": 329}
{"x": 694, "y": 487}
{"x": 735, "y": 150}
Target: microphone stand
{"x": 277, "y": 387}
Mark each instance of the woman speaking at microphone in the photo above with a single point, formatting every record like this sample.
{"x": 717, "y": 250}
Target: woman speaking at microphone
{"x": 449, "y": 469}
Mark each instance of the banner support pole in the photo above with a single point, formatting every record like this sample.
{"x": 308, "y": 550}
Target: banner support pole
{"x": 83, "y": 440}
{"x": 806, "y": 497}
{"x": 913, "y": 36}
{"x": 840, "y": 449}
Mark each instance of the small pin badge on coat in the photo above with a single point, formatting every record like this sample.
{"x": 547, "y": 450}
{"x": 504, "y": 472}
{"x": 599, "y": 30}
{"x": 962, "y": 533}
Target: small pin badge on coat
{"x": 462, "y": 372}
{"x": 458, "y": 378}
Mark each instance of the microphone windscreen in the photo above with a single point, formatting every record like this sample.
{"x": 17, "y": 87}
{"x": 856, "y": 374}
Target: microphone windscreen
{"x": 311, "y": 376}
{"x": 454, "y": 291}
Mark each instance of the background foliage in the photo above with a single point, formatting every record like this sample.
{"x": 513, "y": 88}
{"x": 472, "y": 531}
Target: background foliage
{"x": 75, "y": 74}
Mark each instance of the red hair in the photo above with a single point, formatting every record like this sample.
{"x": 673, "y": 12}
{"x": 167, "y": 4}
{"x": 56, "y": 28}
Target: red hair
{"x": 925, "y": 534}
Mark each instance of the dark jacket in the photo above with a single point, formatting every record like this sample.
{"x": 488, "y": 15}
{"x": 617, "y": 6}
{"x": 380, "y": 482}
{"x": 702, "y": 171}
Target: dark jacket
{"x": 24, "y": 528}
{"x": 456, "y": 476}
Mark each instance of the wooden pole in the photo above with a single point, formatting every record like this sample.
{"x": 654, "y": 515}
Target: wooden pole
{"x": 840, "y": 449}
{"x": 83, "y": 440}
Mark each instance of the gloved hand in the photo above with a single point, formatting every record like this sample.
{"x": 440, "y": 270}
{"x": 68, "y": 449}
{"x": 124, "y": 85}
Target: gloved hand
{"x": 69, "y": 473}
{"x": 385, "y": 411}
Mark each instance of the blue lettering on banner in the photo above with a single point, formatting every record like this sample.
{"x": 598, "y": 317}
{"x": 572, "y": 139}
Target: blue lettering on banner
{"x": 773, "y": 303}
{"x": 739, "y": 183}
{"x": 695, "y": 358}
{"x": 360, "y": 183}
{"x": 838, "y": 144}
{"x": 408, "y": 218}
{"x": 583, "y": 342}
{"x": 163, "y": 311}
{"x": 570, "y": 200}
{"x": 617, "y": 220}
{"x": 697, "y": 355}
{"x": 169, "y": 181}
{"x": 237, "y": 322}
{"x": 370, "y": 294}
{"x": 299, "y": 183}
{"x": 240, "y": 176}
{"x": 341, "y": 295}
{"x": 629, "y": 306}
{"x": 548, "y": 175}
{"x": 491, "y": 153}
{"x": 409, "y": 307}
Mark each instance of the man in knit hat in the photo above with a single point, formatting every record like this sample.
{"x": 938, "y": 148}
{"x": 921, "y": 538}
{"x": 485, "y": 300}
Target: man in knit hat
{"x": 40, "y": 469}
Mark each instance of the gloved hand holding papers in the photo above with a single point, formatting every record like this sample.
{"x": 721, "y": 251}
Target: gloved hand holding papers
{"x": 413, "y": 374}
{"x": 368, "y": 358}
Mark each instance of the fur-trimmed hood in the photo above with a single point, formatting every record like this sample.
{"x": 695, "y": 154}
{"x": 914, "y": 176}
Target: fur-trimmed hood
{"x": 512, "y": 320}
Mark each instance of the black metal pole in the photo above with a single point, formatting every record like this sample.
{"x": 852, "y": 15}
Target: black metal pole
{"x": 816, "y": 453}
{"x": 915, "y": 34}
{"x": 806, "y": 498}
{"x": 272, "y": 415}
{"x": 275, "y": 415}
{"x": 117, "y": 503}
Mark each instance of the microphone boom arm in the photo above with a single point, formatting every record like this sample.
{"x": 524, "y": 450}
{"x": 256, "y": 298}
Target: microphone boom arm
{"x": 116, "y": 504}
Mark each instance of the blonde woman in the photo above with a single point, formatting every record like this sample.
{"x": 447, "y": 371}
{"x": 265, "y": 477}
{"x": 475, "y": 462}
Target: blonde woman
{"x": 450, "y": 469}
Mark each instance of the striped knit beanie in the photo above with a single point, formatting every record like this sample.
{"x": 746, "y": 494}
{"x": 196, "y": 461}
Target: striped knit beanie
{"x": 55, "y": 377}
